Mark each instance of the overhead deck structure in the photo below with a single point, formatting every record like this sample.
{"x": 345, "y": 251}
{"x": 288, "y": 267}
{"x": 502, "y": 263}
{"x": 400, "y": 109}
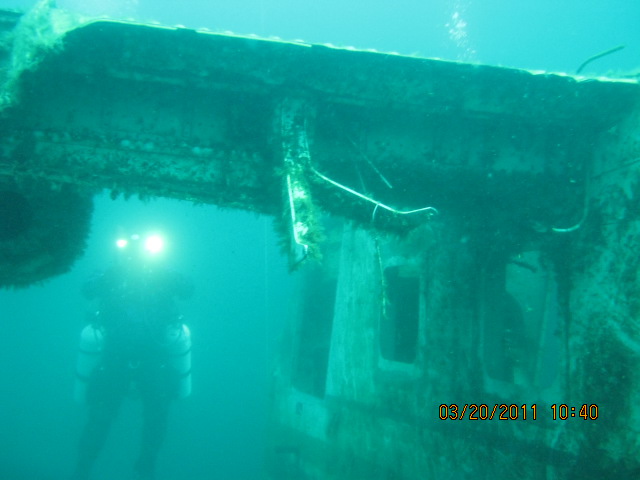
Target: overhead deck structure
{"x": 480, "y": 204}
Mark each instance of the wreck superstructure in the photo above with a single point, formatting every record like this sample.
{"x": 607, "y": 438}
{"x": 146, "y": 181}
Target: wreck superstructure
{"x": 474, "y": 228}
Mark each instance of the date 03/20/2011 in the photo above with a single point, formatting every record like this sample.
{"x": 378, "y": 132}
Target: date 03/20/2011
{"x": 482, "y": 411}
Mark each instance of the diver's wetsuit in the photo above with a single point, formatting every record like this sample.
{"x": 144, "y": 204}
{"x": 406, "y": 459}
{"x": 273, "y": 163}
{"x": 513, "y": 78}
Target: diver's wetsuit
{"x": 136, "y": 307}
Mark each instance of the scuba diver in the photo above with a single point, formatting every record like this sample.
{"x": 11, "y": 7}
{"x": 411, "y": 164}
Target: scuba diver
{"x": 137, "y": 344}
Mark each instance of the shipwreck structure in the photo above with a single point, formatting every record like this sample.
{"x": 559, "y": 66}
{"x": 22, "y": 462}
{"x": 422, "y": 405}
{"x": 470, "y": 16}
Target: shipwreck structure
{"x": 466, "y": 238}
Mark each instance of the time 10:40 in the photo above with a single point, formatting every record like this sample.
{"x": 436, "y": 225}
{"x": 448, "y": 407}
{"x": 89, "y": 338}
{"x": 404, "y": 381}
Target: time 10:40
{"x": 585, "y": 411}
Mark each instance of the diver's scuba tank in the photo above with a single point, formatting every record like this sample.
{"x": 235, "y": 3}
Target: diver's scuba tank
{"x": 89, "y": 356}
{"x": 178, "y": 348}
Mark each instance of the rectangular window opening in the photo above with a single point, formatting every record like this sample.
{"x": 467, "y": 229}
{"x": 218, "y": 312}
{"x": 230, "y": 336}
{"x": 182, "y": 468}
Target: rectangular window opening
{"x": 401, "y": 314}
{"x": 314, "y": 337}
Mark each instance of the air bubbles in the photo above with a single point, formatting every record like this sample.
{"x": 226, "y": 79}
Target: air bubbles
{"x": 457, "y": 29}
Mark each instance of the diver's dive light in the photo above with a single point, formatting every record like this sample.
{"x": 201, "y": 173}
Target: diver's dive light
{"x": 154, "y": 244}
{"x": 151, "y": 244}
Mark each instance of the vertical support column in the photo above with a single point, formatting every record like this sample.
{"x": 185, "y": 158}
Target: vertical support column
{"x": 303, "y": 225}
